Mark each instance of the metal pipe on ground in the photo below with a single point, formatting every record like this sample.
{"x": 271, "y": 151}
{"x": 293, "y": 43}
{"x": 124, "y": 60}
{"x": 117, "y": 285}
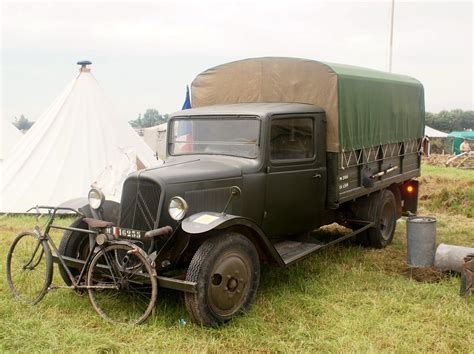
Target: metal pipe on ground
{"x": 450, "y": 257}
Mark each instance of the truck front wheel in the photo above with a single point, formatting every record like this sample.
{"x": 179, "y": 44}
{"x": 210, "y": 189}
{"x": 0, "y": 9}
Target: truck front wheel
{"x": 226, "y": 269}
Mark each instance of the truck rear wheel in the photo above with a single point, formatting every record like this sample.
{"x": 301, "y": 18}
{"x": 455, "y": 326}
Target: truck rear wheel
{"x": 381, "y": 208}
{"x": 226, "y": 269}
{"x": 384, "y": 214}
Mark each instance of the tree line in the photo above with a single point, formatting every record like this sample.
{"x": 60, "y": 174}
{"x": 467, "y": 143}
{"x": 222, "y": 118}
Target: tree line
{"x": 453, "y": 120}
{"x": 150, "y": 118}
{"x": 22, "y": 123}
{"x": 446, "y": 121}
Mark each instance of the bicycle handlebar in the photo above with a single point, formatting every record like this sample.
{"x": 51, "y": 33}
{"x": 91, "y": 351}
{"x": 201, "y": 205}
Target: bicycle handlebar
{"x": 55, "y": 209}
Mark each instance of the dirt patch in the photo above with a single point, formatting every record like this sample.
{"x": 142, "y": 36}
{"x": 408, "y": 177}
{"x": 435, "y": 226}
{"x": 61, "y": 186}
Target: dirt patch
{"x": 436, "y": 159}
{"x": 425, "y": 274}
{"x": 441, "y": 160}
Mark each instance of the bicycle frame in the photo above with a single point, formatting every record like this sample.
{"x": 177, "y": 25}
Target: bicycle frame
{"x": 45, "y": 237}
{"x": 163, "y": 281}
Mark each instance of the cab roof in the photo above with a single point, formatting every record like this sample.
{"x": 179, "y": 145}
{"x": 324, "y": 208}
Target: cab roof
{"x": 249, "y": 109}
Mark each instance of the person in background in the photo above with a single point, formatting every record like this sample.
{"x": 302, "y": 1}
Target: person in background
{"x": 465, "y": 147}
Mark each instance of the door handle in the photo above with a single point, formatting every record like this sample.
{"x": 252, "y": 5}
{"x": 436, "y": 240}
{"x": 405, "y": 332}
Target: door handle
{"x": 317, "y": 175}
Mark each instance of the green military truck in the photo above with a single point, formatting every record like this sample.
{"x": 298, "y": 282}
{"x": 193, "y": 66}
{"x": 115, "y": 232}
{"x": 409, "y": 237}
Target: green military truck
{"x": 272, "y": 149}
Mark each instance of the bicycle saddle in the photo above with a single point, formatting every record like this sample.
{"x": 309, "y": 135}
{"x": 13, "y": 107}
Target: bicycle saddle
{"x": 96, "y": 223}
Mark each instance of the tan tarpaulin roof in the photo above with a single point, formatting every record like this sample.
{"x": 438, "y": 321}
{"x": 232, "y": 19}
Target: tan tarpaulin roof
{"x": 354, "y": 98}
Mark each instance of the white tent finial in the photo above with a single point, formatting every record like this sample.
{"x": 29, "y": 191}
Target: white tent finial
{"x": 83, "y": 64}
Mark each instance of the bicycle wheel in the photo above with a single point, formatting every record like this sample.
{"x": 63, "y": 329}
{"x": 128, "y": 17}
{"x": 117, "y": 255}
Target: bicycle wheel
{"x": 124, "y": 285}
{"x": 29, "y": 268}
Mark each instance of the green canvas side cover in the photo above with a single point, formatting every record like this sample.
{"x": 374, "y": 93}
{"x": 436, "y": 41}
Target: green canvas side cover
{"x": 363, "y": 107}
{"x": 377, "y": 107}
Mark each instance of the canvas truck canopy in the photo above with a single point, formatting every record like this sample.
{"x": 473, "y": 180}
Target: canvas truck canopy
{"x": 364, "y": 107}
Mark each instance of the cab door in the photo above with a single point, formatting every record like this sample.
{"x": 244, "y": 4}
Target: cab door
{"x": 294, "y": 182}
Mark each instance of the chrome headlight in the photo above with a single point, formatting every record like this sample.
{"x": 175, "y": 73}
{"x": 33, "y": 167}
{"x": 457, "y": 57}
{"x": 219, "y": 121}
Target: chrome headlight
{"x": 96, "y": 198}
{"x": 177, "y": 208}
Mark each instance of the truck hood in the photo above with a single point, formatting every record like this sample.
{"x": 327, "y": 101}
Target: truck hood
{"x": 193, "y": 171}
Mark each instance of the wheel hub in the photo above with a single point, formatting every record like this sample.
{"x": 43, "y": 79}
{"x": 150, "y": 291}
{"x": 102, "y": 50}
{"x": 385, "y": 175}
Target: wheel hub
{"x": 232, "y": 284}
{"x": 229, "y": 284}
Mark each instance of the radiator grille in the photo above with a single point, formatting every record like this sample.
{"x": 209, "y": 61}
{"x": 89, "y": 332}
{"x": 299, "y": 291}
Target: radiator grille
{"x": 139, "y": 204}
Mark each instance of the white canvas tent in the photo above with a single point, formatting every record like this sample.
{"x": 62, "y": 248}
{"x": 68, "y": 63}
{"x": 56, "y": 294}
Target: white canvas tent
{"x": 155, "y": 137}
{"x": 433, "y": 133}
{"x": 9, "y": 137}
{"x": 76, "y": 143}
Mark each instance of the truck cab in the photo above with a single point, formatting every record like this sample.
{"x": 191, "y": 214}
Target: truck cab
{"x": 273, "y": 152}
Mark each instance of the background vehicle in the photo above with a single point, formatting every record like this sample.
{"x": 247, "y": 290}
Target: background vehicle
{"x": 274, "y": 148}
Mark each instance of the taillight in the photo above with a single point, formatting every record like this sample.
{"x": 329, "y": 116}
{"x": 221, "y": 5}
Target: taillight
{"x": 409, "y": 197}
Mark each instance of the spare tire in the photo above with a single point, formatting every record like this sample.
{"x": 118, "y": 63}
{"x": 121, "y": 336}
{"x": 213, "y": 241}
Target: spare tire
{"x": 74, "y": 244}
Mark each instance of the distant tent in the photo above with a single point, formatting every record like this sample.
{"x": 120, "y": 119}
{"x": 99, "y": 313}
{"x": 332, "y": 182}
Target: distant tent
{"x": 76, "y": 143}
{"x": 459, "y": 137}
{"x": 433, "y": 133}
{"x": 155, "y": 137}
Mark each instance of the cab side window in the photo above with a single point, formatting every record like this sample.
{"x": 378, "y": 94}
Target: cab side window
{"x": 292, "y": 138}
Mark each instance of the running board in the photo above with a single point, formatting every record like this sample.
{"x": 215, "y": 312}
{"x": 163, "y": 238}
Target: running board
{"x": 292, "y": 251}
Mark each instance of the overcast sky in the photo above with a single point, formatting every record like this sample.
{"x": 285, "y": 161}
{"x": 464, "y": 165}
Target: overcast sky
{"x": 144, "y": 53}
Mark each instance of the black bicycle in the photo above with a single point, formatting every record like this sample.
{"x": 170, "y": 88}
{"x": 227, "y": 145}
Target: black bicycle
{"x": 119, "y": 278}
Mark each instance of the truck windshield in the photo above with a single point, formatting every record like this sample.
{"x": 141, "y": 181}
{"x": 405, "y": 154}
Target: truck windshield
{"x": 216, "y": 136}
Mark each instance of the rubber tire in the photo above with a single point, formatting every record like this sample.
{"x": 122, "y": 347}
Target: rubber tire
{"x": 384, "y": 199}
{"x": 200, "y": 269}
{"x": 152, "y": 276}
{"x": 70, "y": 242}
{"x": 49, "y": 267}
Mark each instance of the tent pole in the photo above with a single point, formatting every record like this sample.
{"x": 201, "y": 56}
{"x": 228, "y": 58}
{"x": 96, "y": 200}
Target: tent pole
{"x": 391, "y": 37}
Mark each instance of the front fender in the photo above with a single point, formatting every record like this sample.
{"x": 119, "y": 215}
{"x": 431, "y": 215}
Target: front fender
{"x": 206, "y": 221}
{"x": 110, "y": 211}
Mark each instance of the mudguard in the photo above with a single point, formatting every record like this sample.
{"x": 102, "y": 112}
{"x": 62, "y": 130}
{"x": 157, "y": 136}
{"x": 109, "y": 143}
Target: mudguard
{"x": 206, "y": 221}
{"x": 110, "y": 211}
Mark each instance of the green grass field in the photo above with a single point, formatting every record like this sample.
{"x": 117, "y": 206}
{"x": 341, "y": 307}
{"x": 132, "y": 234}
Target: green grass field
{"x": 347, "y": 298}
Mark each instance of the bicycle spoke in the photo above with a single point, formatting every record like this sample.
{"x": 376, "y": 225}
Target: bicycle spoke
{"x": 132, "y": 301}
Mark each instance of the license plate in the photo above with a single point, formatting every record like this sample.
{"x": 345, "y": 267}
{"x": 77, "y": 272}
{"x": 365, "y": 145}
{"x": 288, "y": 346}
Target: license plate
{"x": 121, "y": 232}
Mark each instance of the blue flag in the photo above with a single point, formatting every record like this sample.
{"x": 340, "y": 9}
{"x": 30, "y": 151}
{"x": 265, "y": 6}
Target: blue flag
{"x": 187, "y": 101}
